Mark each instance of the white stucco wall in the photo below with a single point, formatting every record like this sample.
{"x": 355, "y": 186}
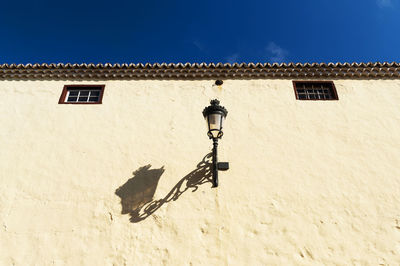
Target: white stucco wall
{"x": 311, "y": 182}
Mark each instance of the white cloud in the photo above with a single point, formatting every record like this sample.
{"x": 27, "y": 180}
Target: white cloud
{"x": 384, "y": 3}
{"x": 233, "y": 58}
{"x": 277, "y": 54}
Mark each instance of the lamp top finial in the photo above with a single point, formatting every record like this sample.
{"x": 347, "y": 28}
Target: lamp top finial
{"x": 215, "y": 107}
{"x": 215, "y": 102}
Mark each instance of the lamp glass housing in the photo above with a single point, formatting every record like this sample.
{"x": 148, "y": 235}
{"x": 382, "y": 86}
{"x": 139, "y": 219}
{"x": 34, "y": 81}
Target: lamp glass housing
{"x": 215, "y": 115}
{"x": 214, "y": 123}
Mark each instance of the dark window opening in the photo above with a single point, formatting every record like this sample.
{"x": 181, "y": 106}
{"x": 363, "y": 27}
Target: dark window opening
{"x": 82, "y": 94}
{"x": 315, "y": 90}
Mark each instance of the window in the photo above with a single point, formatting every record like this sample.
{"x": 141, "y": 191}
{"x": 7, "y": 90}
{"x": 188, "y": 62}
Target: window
{"x": 82, "y": 94}
{"x": 315, "y": 90}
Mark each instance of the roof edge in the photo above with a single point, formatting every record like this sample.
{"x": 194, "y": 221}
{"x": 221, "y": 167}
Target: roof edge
{"x": 200, "y": 70}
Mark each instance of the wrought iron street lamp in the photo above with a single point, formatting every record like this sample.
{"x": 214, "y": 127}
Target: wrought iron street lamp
{"x": 215, "y": 115}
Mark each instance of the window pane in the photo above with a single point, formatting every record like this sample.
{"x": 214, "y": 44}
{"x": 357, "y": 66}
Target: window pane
{"x": 72, "y": 99}
{"x": 82, "y": 99}
{"x": 302, "y": 96}
{"x": 95, "y": 93}
{"x": 73, "y": 93}
{"x": 93, "y": 99}
{"x": 84, "y": 93}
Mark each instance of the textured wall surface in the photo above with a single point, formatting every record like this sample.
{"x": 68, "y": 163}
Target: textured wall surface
{"x": 127, "y": 181}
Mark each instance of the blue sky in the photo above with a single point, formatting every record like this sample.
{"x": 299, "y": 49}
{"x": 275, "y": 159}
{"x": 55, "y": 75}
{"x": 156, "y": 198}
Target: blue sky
{"x": 199, "y": 31}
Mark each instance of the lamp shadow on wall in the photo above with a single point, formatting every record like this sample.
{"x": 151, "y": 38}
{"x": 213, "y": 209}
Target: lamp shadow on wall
{"x": 137, "y": 194}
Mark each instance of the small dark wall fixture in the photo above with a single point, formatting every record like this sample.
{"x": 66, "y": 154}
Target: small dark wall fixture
{"x": 219, "y": 82}
{"x": 137, "y": 194}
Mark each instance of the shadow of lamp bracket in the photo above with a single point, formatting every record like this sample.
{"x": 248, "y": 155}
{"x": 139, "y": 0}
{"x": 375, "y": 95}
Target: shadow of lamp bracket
{"x": 215, "y": 115}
